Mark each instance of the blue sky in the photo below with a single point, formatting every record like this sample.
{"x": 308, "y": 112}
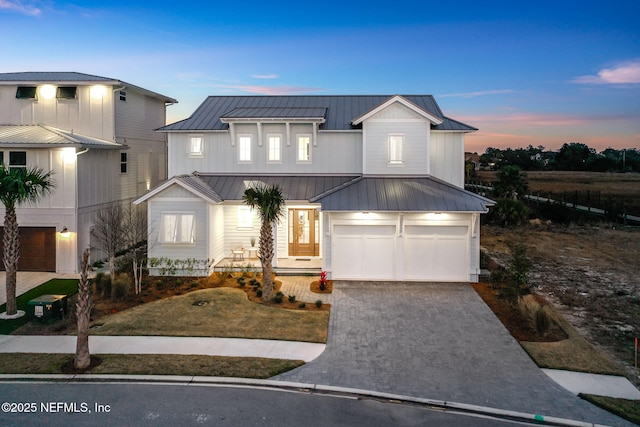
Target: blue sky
{"x": 539, "y": 73}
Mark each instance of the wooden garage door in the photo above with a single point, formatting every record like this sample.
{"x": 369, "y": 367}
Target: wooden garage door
{"x": 438, "y": 253}
{"x": 37, "y": 249}
{"x": 364, "y": 252}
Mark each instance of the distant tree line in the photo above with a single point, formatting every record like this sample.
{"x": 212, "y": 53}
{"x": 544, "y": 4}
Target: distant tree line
{"x": 572, "y": 156}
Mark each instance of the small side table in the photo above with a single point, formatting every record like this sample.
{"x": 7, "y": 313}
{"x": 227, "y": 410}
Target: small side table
{"x": 253, "y": 252}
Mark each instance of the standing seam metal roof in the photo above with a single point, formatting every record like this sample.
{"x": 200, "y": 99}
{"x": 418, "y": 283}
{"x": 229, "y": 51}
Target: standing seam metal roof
{"x": 341, "y": 110}
{"x": 41, "y": 135}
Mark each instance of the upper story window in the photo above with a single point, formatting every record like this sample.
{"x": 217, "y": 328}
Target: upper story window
{"x": 304, "y": 148}
{"x": 274, "y": 147}
{"x": 66, "y": 92}
{"x": 195, "y": 146}
{"x": 122, "y": 95}
{"x": 244, "y": 148}
{"x": 17, "y": 159}
{"x": 396, "y": 142}
{"x": 178, "y": 228}
{"x": 123, "y": 162}
{"x": 27, "y": 92}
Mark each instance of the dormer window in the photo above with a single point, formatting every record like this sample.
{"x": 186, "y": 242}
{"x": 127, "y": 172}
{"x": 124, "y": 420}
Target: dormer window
{"x": 66, "y": 92}
{"x": 26, "y": 92}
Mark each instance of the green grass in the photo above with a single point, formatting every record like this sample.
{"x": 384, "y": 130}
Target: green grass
{"x": 150, "y": 364}
{"x": 54, "y": 286}
{"x": 217, "y": 312}
{"x": 627, "y": 409}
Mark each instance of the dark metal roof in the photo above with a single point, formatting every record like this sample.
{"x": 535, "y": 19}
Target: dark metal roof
{"x": 47, "y": 136}
{"x": 341, "y": 110}
{"x": 401, "y": 194}
{"x": 274, "y": 112}
{"x": 71, "y": 77}
{"x": 232, "y": 187}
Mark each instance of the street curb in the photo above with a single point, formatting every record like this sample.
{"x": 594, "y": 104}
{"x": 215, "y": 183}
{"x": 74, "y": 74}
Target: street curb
{"x": 286, "y": 385}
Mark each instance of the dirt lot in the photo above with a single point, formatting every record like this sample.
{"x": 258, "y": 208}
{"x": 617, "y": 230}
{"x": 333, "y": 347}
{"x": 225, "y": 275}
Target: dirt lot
{"x": 591, "y": 274}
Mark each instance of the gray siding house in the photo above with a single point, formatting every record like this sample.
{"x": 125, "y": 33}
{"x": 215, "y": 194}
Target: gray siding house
{"x": 373, "y": 184}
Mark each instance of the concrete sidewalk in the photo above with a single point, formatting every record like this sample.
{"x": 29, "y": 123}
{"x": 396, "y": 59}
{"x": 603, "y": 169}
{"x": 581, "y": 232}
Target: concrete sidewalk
{"x": 272, "y": 349}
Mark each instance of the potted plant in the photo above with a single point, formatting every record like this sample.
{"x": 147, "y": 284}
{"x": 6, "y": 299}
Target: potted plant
{"x": 253, "y": 242}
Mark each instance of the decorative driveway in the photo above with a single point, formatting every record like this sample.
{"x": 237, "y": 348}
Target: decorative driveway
{"x": 437, "y": 341}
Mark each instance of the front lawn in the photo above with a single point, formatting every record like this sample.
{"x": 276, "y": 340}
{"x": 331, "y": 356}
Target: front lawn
{"x": 216, "y": 312}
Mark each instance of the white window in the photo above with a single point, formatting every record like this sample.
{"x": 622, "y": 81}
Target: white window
{"x": 245, "y": 217}
{"x": 178, "y": 228}
{"x": 195, "y": 145}
{"x": 395, "y": 149}
{"x": 244, "y": 148}
{"x": 17, "y": 159}
{"x": 274, "y": 147}
{"x": 304, "y": 148}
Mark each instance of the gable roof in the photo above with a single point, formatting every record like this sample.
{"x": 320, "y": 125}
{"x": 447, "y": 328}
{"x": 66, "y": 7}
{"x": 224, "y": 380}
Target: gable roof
{"x": 402, "y": 100}
{"x": 340, "y": 110}
{"x": 337, "y": 193}
{"x": 72, "y": 78}
{"x": 47, "y": 136}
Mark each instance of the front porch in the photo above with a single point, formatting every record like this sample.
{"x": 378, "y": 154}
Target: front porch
{"x": 286, "y": 266}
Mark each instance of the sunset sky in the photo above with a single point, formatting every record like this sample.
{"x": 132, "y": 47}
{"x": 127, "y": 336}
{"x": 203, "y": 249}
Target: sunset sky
{"x": 539, "y": 73}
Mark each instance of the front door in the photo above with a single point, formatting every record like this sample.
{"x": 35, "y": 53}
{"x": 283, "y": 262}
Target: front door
{"x": 303, "y": 232}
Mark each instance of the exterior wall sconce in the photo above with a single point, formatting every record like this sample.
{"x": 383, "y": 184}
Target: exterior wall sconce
{"x": 65, "y": 232}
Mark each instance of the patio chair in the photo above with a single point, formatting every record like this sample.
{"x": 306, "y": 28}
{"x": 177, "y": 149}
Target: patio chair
{"x": 237, "y": 250}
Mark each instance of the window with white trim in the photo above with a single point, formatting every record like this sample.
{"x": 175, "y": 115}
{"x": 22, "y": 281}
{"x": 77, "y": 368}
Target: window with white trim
{"x": 244, "y": 148}
{"x": 17, "y": 159}
{"x": 304, "y": 148}
{"x": 195, "y": 146}
{"x": 395, "y": 149}
{"x": 274, "y": 148}
{"x": 123, "y": 162}
{"x": 245, "y": 217}
{"x": 178, "y": 228}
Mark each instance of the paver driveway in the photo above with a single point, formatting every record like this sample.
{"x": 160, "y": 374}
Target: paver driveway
{"x": 437, "y": 341}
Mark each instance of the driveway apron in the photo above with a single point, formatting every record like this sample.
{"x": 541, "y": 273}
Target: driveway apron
{"x": 437, "y": 341}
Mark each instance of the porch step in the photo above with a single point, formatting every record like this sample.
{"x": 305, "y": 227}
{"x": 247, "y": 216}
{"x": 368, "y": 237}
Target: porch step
{"x": 283, "y": 271}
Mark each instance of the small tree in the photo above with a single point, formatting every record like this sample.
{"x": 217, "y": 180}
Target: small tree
{"x": 517, "y": 279}
{"x": 108, "y": 234}
{"x": 511, "y": 183}
{"x": 270, "y": 204}
{"x": 82, "y": 359}
{"x": 135, "y": 236}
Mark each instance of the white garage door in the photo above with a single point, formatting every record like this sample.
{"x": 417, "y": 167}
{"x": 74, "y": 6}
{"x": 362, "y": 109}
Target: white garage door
{"x": 364, "y": 252}
{"x": 436, "y": 253}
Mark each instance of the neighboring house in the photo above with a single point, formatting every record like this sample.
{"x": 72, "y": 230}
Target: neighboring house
{"x": 373, "y": 185}
{"x": 97, "y": 135}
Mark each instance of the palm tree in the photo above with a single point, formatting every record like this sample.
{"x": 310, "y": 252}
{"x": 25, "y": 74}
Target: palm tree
{"x": 18, "y": 186}
{"x": 83, "y": 313}
{"x": 270, "y": 203}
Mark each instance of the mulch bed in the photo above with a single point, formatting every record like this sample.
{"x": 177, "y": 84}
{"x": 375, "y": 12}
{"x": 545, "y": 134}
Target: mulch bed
{"x": 513, "y": 319}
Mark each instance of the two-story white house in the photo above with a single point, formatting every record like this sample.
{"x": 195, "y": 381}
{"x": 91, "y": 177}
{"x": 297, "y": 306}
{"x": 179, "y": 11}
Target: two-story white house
{"x": 374, "y": 185}
{"x": 97, "y": 136}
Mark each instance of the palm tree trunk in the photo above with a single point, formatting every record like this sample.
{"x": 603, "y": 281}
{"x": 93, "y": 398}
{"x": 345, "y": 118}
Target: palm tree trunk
{"x": 266, "y": 258}
{"x": 11, "y": 254}
{"x": 83, "y": 313}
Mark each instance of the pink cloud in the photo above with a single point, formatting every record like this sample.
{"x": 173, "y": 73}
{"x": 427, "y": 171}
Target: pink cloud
{"x": 18, "y": 6}
{"x": 626, "y": 72}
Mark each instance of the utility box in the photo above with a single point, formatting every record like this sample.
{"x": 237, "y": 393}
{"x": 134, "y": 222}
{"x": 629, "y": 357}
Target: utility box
{"x": 48, "y": 307}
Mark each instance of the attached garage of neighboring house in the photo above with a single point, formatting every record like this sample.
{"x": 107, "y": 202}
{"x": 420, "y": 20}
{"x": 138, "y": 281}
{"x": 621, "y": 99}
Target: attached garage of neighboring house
{"x": 37, "y": 249}
{"x": 418, "y": 229}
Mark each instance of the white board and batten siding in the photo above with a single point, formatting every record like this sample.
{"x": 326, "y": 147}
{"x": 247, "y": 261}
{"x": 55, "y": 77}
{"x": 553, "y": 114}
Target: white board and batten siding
{"x": 178, "y": 200}
{"x": 413, "y": 247}
{"x": 446, "y": 154}
{"x": 397, "y": 120}
{"x": 332, "y": 152}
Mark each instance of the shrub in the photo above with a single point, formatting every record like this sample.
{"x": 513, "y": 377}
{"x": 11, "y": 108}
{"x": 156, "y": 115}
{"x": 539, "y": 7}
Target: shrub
{"x": 302, "y": 305}
{"x": 241, "y": 281}
{"x": 319, "y": 303}
{"x": 121, "y": 286}
{"x": 509, "y": 212}
{"x": 534, "y": 313}
{"x": 254, "y": 282}
{"x": 323, "y": 280}
{"x": 105, "y": 285}
{"x": 292, "y": 298}
{"x": 259, "y": 292}
{"x": 278, "y": 298}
